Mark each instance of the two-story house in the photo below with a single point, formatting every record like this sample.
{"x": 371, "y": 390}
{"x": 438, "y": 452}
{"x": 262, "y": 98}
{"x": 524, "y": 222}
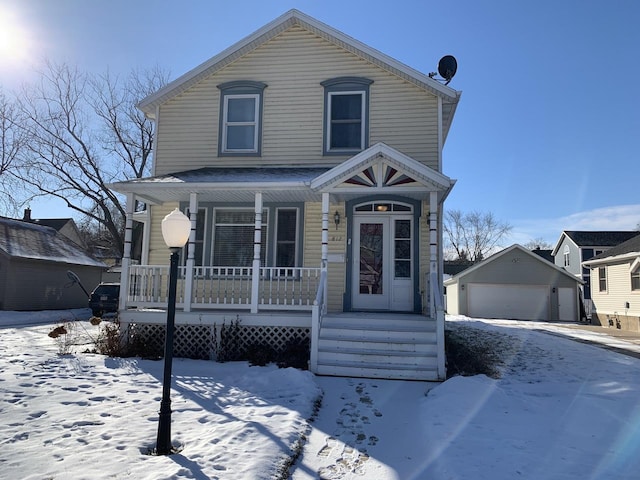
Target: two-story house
{"x": 616, "y": 290}
{"x": 310, "y": 166}
{"x": 575, "y": 247}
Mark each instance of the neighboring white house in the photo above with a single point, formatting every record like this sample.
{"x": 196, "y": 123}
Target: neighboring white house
{"x": 615, "y": 290}
{"x": 311, "y": 167}
{"x": 514, "y": 283}
{"x": 577, "y": 246}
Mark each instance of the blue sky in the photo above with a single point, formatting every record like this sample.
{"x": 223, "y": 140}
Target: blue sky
{"x": 547, "y": 133}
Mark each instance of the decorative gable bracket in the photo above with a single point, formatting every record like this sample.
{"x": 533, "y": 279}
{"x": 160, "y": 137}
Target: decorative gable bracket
{"x": 382, "y": 169}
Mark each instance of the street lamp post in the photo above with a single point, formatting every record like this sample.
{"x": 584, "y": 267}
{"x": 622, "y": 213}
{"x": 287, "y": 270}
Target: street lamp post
{"x": 175, "y": 230}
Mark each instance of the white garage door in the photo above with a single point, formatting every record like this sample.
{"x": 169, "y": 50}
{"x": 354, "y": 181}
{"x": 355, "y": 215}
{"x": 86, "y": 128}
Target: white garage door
{"x": 520, "y": 302}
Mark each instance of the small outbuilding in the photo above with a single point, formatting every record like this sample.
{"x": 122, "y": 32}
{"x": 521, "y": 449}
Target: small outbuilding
{"x": 34, "y": 265}
{"x": 514, "y": 283}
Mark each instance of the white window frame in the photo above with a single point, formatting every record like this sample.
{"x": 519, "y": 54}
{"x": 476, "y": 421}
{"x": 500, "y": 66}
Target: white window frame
{"x": 566, "y": 255}
{"x": 602, "y": 278}
{"x": 255, "y": 123}
{"x": 635, "y": 273}
{"x": 296, "y": 240}
{"x": 363, "y": 113}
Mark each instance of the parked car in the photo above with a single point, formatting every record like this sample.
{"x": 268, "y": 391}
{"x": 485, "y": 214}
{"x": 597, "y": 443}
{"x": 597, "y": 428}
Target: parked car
{"x": 104, "y": 299}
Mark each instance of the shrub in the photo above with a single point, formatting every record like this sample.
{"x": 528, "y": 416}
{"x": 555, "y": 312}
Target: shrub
{"x": 468, "y": 358}
{"x": 65, "y": 337}
{"x": 296, "y": 354}
{"x": 260, "y": 354}
{"x": 227, "y": 348}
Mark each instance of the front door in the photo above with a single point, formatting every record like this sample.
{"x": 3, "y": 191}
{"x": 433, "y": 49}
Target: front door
{"x": 382, "y": 262}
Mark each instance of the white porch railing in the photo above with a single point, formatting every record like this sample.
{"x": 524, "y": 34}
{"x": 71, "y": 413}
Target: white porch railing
{"x": 437, "y": 311}
{"x": 317, "y": 312}
{"x": 290, "y": 288}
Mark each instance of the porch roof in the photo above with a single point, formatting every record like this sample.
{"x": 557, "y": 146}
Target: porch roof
{"x": 227, "y": 184}
{"x": 378, "y": 170}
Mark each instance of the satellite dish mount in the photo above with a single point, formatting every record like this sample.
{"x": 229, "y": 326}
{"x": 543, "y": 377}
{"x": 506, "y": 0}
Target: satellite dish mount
{"x": 447, "y": 67}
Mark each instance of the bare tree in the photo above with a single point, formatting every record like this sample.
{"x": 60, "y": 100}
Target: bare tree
{"x": 472, "y": 236}
{"x": 538, "y": 244}
{"x": 12, "y": 140}
{"x": 84, "y": 133}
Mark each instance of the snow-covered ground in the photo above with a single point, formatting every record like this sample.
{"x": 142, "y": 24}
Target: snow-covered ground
{"x": 562, "y": 409}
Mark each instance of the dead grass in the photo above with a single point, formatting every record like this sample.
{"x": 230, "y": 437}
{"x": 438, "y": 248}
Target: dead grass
{"x": 472, "y": 351}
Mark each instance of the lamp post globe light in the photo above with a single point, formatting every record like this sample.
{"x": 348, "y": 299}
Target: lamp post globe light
{"x": 175, "y": 230}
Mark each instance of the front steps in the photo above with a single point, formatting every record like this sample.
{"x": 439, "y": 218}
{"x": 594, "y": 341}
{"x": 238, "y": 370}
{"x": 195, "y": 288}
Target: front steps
{"x": 378, "y": 345}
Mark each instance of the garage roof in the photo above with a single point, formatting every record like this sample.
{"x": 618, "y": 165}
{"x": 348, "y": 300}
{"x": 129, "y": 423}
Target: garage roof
{"x": 498, "y": 255}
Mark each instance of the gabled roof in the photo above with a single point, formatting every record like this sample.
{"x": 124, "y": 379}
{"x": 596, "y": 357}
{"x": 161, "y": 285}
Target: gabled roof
{"x": 296, "y": 18}
{"x": 624, "y": 250}
{"x": 585, "y": 238}
{"x": 501, "y": 253}
{"x": 378, "y": 169}
{"x": 55, "y": 223}
{"x": 26, "y": 240}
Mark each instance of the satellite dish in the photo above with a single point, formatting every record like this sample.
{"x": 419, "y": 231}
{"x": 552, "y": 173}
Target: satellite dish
{"x": 447, "y": 67}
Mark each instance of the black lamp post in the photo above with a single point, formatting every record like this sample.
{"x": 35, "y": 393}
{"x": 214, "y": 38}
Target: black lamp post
{"x": 175, "y": 230}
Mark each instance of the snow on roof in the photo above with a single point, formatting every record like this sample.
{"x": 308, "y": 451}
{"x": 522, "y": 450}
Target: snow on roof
{"x": 20, "y": 239}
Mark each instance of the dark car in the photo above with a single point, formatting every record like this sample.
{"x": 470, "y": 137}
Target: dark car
{"x": 104, "y": 298}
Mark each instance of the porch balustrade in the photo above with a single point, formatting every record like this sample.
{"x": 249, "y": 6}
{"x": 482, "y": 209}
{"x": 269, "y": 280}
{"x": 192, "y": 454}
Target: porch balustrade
{"x": 285, "y": 288}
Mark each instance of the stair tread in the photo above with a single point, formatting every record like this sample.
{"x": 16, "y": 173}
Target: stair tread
{"x": 379, "y": 327}
{"x": 350, "y": 336}
{"x": 376, "y": 366}
{"x": 373, "y": 351}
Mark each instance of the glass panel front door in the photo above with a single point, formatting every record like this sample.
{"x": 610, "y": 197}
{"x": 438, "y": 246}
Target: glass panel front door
{"x": 371, "y": 258}
{"x": 371, "y": 263}
{"x": 382, "y": 268}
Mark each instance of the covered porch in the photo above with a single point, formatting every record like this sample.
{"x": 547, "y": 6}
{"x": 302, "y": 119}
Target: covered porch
{"x": 316, "y": 282}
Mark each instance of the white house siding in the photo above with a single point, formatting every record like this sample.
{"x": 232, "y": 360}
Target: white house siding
{"x": 612, "y": 303}
{"x": 313, "y": 246}
{"x": 452, "y": 301}
{"x": 292, "y": 65}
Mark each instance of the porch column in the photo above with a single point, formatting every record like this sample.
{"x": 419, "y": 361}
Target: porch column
{"x": 325, "y": 231}
{"x": 126, "y": 257}
{"x": 257, "y": 243}
{"x": 433, "y": 246}
{"x": 188, "y": 285}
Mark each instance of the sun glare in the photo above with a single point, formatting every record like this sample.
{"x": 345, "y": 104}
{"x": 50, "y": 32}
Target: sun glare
{"x": 14, "y": 40}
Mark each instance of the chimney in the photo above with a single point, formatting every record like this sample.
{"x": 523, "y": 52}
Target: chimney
{"x": 27, "y": 214}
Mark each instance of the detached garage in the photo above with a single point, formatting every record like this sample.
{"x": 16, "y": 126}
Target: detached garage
{"x": 514, "y": 284}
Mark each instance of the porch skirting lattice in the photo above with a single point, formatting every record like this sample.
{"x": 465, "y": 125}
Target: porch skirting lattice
{"x": 201, "y": 341}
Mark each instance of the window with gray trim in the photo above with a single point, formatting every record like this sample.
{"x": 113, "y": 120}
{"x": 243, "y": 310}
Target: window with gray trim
{"x": 346, "y": 106}
{"x": 240, "y": 131}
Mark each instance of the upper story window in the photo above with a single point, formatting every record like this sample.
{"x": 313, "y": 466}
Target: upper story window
{"x": 240, "y": 118}
{"x": 346, "y": 106}
{"x": 567, "y": 255}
